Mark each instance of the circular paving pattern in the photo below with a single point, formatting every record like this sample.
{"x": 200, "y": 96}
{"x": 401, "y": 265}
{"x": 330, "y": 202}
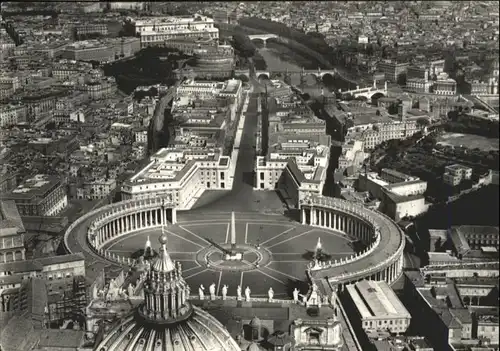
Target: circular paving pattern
{"x": 252, "y": 257}
{"x": 275, "y": 251}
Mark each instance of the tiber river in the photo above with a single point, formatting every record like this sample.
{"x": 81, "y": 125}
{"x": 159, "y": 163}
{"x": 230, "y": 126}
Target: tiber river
{"x": 278, "y": 62}
{"x": 275, "y": 63}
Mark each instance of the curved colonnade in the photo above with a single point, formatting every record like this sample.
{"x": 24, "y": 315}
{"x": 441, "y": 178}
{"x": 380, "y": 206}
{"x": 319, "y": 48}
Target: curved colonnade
{"x": 381, "y": 260}
{"x": 114, "y": 220}
{"x": 383, "y": 257}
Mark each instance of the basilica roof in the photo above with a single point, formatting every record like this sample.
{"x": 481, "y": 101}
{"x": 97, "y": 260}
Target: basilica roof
{"x": 200, "y": 332}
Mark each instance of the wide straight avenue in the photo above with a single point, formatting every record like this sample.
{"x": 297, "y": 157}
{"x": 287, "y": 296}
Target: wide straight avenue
{"x": 242, "y": 197}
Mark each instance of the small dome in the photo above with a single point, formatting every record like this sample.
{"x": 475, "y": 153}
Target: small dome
{"x": 163, "y": 263}
{"x": 255, "y": 322}
{"x": 253, "y": 347}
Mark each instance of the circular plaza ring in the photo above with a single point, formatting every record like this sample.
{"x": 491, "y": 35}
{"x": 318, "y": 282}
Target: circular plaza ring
{"x": 251, "y": 258}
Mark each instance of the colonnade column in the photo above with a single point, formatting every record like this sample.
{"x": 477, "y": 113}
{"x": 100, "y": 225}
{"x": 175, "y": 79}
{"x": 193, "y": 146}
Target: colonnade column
{"x": 174, "y": 216}
{"x": 303, "y": 215}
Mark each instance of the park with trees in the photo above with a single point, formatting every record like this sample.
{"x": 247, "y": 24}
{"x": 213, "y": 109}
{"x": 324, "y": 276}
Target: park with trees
{"x": 428, "y": 159}
{"x": 150, "y": 66}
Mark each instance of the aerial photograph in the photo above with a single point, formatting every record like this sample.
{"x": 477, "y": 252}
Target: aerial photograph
{"x": 249, "y": 176}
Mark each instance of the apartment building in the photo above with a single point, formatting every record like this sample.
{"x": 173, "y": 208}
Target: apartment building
{"x": 200, "y": 102}
{"x": 65, "y": 69}
{"x": 94, "y": 189}
{"x": 41, "y": 195}
{"x": 89, "y": 50}
{"x": 484, "y": 87}
{"x": 352, "y": 154}
{"x": 417, "y": 72}
{"x": 101, "y": 50}
{"x": 445, "y": 85}
{"x": 99, "y": 88}
{"x": 378, "y": 133}
{"x": 392, "y": 70}
{"x": 91, "y": 28}
{"x": 436, "y": 67}
{"x": 455, "y": 174}
{"x": 11, "y": 233}
{"x": 12, "y": 114}
{"x": 418, "y": 85}
{"x": 8, "y": 179}
{"x": 13, "y": 274}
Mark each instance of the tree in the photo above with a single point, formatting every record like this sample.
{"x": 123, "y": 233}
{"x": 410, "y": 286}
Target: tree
{"x": 243, "y": 78}
{"x": 369, "y": 50}
{"x": 50, "y": 126}
{"x": 153, "y": 91}
{"x": 423, "y": 122}
{"x": 243, "y": 45}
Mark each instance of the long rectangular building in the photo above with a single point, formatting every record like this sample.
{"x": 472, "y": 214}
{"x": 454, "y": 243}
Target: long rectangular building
{"x": 12, "y": 274}
{"x": 296, "y": 165}
{"x": 41, "y": 195}
{"x": 378, "y": 307}
{"x": 155, "y": 31}
{"x": 182, "y": 175}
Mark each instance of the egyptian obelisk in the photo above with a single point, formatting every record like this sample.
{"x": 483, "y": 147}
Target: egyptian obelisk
{"x": 233, "y": 232}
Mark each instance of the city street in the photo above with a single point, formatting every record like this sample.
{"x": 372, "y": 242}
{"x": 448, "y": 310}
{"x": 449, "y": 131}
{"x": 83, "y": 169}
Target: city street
{"x": 242, "y": 198}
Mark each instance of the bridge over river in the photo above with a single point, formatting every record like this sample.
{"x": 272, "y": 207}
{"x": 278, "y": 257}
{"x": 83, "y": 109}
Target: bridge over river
{"x": 281, "y": 67}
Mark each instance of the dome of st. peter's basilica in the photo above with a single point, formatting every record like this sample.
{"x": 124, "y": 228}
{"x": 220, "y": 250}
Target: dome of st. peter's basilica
{"x": 166, "y": 320}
